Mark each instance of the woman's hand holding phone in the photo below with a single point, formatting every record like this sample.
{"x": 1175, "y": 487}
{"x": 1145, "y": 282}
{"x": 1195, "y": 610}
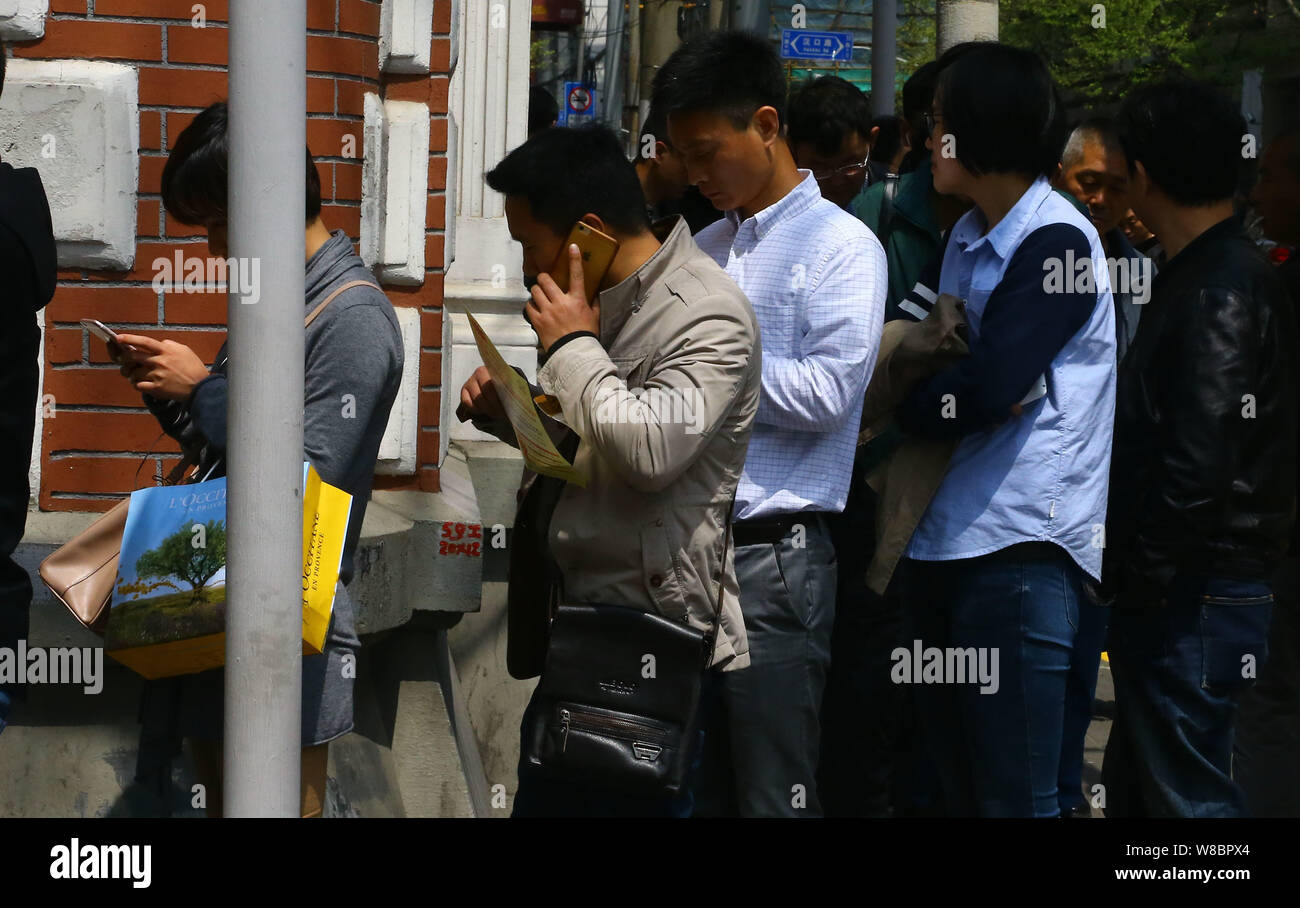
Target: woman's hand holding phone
{"x": 164, "y": 369}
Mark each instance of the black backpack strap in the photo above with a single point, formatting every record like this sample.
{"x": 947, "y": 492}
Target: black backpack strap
{"x": 886, "y": 225}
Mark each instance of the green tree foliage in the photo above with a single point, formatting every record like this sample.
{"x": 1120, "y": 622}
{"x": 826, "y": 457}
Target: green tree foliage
{"x": 916, "y": 30}
{"x": 1099, "y": 50}
{"x": 177, "y": 556}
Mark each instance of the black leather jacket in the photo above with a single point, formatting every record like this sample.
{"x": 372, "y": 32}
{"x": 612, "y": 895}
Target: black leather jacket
{"x": 1203, "y": 477}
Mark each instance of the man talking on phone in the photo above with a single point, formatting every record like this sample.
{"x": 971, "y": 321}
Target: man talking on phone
{"x": 657, "y": 384}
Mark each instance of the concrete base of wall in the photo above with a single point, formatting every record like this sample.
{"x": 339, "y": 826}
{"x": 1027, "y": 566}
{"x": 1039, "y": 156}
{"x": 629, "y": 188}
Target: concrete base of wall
{"x": 67, "y": 753}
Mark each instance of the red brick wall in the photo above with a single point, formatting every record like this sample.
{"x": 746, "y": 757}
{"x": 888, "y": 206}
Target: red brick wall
{"x": 91, "y": 449}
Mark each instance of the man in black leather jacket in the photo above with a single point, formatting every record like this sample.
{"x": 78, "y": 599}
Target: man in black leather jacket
{"x": 1203, "y": 485}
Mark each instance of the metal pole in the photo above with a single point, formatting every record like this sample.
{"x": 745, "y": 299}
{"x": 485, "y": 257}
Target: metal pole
{"x": 718, "y": 16}
{"x": 752, "y": 16}
{"x": 613, "y": 99}
{"x": 633, "y": 74}
{"x": 267, "y": 188}
{"x": 884, "y": 54}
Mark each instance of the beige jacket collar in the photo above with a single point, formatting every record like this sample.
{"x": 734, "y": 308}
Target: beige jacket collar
{"x": 619, "y": 302}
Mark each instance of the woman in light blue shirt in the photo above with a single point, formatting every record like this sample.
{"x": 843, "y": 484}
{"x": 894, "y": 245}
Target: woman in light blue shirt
{"x": 1005, "y": 555}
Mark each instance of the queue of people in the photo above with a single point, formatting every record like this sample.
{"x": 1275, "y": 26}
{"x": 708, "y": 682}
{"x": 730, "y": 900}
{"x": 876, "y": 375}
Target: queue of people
{"x": 1111, "y": 453}
{"x": 889, "y": 428}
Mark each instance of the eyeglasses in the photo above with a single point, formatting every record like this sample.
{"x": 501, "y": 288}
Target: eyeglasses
{"x": 848, "y": 171}
{"x": 930, "y": 120}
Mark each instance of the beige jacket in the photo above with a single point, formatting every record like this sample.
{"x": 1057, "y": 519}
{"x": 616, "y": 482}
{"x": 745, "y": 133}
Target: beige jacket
{"x": 907, "y": 479}
{"x": 663, "y": 403}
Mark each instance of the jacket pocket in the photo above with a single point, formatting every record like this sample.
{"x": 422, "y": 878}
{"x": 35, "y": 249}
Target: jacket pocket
{"x": 1234, "y": 635}
{"x": 629, "y": 366}
{"x": 659, "y": 571}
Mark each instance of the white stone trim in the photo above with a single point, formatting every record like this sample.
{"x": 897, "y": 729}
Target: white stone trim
{"x": 77, "y": 122}
{"x": 395, "y": 189}
{"x": 397, "y": 450}
{"x": 23, "y": 20}
{"x": 405, "y": 35}
{"x": 488, "y": 116}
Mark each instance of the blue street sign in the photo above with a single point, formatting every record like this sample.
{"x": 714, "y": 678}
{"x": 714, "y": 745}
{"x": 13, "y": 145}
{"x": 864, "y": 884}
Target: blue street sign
{"x": 802, "y": 44}
{"x": 579, "y": 104}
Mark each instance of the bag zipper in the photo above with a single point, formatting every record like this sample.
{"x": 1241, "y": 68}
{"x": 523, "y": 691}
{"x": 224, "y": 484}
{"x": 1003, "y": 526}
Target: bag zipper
{"x": 599, "y": 723}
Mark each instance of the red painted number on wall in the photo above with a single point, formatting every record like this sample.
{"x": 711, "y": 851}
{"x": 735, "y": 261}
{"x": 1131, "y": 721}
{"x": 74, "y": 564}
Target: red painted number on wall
{"x": 453, "y": 533}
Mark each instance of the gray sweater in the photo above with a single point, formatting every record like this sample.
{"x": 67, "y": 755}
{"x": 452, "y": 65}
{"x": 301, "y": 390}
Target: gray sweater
{"x": 354, "y": 347}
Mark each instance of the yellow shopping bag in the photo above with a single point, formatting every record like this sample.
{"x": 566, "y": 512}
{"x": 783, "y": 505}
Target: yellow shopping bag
{"x": 325, "y": 514}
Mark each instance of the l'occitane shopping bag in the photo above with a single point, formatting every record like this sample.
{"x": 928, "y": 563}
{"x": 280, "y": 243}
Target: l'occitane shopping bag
{"x": 325, "y": 514}
{"x": 167, "y": 614}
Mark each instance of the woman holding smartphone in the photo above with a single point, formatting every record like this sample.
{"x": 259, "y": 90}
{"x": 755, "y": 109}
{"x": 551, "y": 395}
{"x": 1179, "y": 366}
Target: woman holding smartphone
{"x": 353, "y": 353}
{"x": 1009, "y": 548}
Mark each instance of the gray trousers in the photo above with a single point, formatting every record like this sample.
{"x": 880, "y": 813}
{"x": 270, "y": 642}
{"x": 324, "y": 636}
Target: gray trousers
{"x": 761, "y": 747}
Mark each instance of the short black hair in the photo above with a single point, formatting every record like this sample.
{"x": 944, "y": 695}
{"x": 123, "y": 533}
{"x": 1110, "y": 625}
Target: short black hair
{"x": 542, "y": 110}
{"x": 1002, "y": 106}
{"x": 1187, "y": 135}
{"x": 733, "y": 73}
{"x": 918, "y": 92}
{"x": 195, "y": 186}
{"x": 888, "y": 140}
{"x": 826, "y": 110}
{"x": 565, "y": 173}
{"x": 918, "y": 98}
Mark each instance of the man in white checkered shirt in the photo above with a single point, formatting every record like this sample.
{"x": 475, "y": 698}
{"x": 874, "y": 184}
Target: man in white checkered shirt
{"x": 816, "y": 277}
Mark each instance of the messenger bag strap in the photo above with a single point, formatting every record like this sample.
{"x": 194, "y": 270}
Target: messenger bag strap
{"x": 329, "y": 299}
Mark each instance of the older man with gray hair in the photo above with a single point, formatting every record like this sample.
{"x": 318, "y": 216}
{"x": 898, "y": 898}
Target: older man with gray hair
{"x": 1095, "y": 171}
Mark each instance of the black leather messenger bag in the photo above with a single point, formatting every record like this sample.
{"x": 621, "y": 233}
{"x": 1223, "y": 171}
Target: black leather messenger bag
{"x": 618, "y": 703}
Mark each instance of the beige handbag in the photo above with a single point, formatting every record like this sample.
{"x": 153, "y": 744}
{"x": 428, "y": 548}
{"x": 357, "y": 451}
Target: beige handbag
{"x": 82, "y": 571}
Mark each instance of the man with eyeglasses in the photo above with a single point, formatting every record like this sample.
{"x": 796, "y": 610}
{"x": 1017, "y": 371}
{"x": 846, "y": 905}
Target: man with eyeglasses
{"x": 908, "y": 217}
{"x": 829, "y": 132}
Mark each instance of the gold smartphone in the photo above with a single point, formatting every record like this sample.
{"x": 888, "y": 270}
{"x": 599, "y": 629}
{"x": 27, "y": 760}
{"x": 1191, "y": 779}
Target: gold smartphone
{"x": 598, "y": 251}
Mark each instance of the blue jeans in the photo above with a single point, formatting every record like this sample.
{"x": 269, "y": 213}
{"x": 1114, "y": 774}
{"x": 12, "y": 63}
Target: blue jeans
{"x": 997, "y": 752}
{"x": 1179, "y": 671}
{"x": 1266, "y": 747}
{"x": 539, "y": 795}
